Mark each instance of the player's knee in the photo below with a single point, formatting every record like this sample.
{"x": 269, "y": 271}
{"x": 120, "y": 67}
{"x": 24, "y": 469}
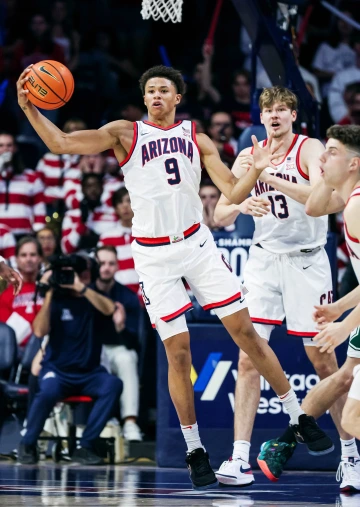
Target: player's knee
{"x": 180, "y": 359}
{"x": 323, "y": 367}
{"x": 246, "y": 367}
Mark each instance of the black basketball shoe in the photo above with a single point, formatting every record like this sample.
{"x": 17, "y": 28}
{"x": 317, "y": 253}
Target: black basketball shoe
{"x": 28, "y": 454}
{"x": 201, "y": 474}
{"x": 308, "y": 432}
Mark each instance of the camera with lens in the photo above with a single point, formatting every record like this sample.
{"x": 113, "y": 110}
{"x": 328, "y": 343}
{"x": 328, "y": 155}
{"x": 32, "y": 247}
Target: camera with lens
{"x": 63, "y": 269}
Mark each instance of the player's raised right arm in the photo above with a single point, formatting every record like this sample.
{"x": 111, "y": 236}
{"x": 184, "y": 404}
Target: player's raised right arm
{"x": 83, "y": 142}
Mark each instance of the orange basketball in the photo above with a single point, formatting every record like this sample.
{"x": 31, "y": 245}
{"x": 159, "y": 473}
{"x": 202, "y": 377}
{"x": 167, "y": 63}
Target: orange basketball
{"x": 50, "y": 84}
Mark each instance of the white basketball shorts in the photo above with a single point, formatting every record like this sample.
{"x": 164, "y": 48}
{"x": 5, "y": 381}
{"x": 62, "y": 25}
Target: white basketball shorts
{"x": 287, "y": 285}
{"x": 200, "y": 263}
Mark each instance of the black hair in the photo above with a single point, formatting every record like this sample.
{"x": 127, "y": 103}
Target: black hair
{"x": 87, "y": 176}
{"x": 173, "y": 75}
{"x": 118, "y": 196}
{"x": 348, "y": 135}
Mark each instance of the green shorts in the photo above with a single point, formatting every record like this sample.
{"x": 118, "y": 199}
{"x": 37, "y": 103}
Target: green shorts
{"x": 354, "y": 343}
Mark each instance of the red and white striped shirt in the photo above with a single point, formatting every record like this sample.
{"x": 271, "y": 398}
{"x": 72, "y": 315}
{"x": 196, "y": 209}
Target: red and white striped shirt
{"x": 7, "y": 244}
{"x": 73, "y": 194}
{"x": 99, "y": 221}
{"x": 19, "y": 308}
{"x": 55, "y": 171}
{"x": 22, "y": 206}
{"x": 120, "y": 237}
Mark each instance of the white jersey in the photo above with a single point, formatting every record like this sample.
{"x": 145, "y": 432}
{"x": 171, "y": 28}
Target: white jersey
{"x": 162, "y": 174}
{"x": 353, "y": 244}
{"x": 287, "y": 228}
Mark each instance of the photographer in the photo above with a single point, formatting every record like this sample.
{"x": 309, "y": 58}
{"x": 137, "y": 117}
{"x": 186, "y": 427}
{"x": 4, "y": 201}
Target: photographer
{"x": 82, "y": 227}
{"x": 71, "y": 365}
{"x": 120, "y": 338}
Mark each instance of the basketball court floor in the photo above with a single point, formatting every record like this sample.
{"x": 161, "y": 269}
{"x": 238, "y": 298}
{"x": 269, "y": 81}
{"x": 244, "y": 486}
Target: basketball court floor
{"x": 143, "y": 486}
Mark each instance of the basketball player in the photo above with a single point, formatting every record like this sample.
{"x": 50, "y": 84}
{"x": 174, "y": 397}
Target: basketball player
{"x": 288, "y": 271}
{"x": 340, "y": 170}
{"x": 11, "y": 276}
{"x": 161, "y": 161}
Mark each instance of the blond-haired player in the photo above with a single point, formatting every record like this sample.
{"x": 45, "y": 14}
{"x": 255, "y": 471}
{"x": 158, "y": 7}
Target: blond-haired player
{"x": 288, "y": 271}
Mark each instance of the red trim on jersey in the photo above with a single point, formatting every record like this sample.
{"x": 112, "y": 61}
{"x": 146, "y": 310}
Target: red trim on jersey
{"x": 153, "y": 326}
{"x": 193, "y": 135}
{"x": 135, "y": 137}
{"x": 287, "y": 153}
{"x": 352, "y": 194}
{"x": 165, "y": 240}
{"x": 355, "y": 240}
{"x": 177, "y": 314}
{"x": 301, "y": 333}
{"x": 298, "y": 166}
{"x": 225, "y": 302}
{"x": 163, "y": 128}
{"x": 266, "y": 321}
{"x": 289, "y": 150}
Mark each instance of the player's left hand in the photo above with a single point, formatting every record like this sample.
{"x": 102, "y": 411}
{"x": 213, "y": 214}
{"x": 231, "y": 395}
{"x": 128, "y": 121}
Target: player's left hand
{"x": 11, "y": 276}
{"x": 330, "y": 336}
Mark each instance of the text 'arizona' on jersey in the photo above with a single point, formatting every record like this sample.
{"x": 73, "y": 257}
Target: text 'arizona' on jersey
{"x": 287, "y": 228}
{"x": 162, "y": 174}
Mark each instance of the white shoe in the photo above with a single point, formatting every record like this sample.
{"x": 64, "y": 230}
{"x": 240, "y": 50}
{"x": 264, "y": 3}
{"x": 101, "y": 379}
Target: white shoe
{"x": 349, "y": 475}
{"x": 131, "y": 431}
{"x": 235, "y": 472}
{"x": 346, "y": 500}
{"x": 240, "y": 501}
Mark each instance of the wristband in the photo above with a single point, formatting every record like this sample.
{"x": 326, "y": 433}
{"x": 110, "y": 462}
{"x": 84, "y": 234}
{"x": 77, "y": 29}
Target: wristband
{"x": 83, "y": 290}
{"x": 2, "y": 259}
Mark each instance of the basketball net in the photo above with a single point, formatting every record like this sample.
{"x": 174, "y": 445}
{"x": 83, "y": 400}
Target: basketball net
{"x": 167, "y": 10}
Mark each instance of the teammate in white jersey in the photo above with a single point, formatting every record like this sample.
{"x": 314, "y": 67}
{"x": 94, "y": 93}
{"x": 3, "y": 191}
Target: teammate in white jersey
{"x": 161, "y": 161}
{"x": 10, "y": 276}
{"x": 340, "y": 170}
{"x": 288, "y": 270}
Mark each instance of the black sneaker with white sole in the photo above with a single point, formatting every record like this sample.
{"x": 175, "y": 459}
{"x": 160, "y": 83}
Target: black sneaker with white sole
{"x": 309, "y": 433}
{"x": 201, "y": 474}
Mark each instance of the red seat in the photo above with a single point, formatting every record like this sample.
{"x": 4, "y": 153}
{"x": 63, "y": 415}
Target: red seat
{"x": 77, "y": 399}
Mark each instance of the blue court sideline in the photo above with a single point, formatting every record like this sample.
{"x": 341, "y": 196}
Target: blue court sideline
{"x": 130, "y": 486}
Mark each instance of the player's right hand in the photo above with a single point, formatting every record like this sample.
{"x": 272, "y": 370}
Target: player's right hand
{"x": 21, "y": 93}
{"x": 324, "y": 314}
{"x": 255, "y": 206}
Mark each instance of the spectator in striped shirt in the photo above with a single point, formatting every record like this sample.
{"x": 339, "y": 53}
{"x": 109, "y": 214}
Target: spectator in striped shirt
{"x": 20, "y": 311}
{"x": 58, "y": 171}
{"x": 22, "y": 206}
{"x": 82, "y": 227}
{"x": 7, "y": 244}
{"x": 120, "y": 237}
{"x": 98, "y": 163}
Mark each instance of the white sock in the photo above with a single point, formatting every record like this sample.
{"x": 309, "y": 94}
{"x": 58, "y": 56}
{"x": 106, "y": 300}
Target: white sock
{"x": 191, "y": 435}
{"x": 241, "y": 450}
{"x": 292, "y": 406}
{"x": 349, "y": 449}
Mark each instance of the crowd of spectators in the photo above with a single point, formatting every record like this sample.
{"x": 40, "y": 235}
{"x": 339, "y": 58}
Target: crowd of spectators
{"x": 64, "y": 204}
